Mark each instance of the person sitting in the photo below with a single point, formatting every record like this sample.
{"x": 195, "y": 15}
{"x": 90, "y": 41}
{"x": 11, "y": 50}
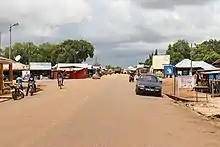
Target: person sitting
{"x": 19, "y": 81}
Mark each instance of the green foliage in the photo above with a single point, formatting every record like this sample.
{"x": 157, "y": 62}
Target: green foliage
{"x": 208, "y": 51}
{"x": 67, "y": 51}
{"x": 156, "y": 52}
{"x": 148, "y": 61}
{"x": 109, "y": 67}
{"x": 178, "y": 51}
{"x": 113, "y": 67}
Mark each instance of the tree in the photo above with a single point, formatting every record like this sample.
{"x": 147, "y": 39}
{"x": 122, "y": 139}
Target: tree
{"x": 156, "y": 52}
{"x": 148, "y": 61}
{"x": 109, "y": 67}
{"x": 73, "y": 51}
{"x": 207, "y": 51}
{"x": 178, "y": 51}
{"x": 66, "y": 51}
{"x": 27, "y": 50}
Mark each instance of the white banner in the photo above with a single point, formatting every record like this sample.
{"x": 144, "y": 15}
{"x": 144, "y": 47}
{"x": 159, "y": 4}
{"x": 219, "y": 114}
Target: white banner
{"x": 186, "y": 82}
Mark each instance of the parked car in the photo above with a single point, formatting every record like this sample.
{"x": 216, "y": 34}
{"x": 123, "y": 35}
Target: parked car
{"x": 148, "y": 84}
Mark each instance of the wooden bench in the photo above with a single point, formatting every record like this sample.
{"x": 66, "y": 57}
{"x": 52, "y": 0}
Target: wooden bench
{"x": 201, "y": 88}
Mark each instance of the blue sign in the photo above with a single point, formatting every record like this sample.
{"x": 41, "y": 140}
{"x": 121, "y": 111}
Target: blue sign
{"x": 217, "y": 76}
{"x": 168, "y": 70}
{"x": 211, "y": 77}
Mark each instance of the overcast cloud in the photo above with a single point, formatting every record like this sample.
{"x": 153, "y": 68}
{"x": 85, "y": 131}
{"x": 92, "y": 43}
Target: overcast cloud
{"x": 123, "y": 31}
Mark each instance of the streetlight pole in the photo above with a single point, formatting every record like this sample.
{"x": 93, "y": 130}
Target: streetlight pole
{"x": 191, "y": 69}
{"x": 0, "y": 40}
{"x": 10, "y": 28}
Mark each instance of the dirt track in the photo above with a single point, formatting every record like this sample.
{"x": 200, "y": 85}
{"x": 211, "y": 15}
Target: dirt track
{"x": 101, "y": 113}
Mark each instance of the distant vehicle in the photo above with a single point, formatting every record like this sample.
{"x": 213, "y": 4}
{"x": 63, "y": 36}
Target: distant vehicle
{"x": 148, "y": 84}
{"x": 31, "y": 89}
{"x": 131, "y": 78}
{"x": 118, "y": 71}
{"x": 60, "y": 83}
{"x": 96, "y": 76}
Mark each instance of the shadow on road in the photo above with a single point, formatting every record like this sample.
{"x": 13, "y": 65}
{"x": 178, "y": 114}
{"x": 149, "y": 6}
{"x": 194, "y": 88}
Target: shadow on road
{"x": 149, "y": 96}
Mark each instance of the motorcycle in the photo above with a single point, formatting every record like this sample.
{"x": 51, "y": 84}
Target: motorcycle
{"x": 31, "y": 88}
{"x": 17, "y": 92}
{"x": 131, "y": 78}
{"x": 60, "y": 83}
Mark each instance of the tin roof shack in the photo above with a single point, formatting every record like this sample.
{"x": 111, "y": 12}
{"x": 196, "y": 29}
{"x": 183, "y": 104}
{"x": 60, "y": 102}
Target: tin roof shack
{"x": 72, "y": 70}
{"x": 212, "y": 76}
{"x": 41, "y": 68}
{"x": 184, "y": 66}
{"x": 216, "y": 63}
{"x": 141, "y": 68}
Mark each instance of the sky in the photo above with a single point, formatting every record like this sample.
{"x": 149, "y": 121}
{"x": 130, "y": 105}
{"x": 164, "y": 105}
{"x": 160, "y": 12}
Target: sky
{"x": 123, "y": 32}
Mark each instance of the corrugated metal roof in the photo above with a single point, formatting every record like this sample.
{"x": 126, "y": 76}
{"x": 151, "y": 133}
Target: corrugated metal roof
{"x": 4, "y": 60}
{"x": 140, "y": 66}
{"x": 15, "y": 66}
{"x": 40, "y": 66}
{"x": 186, "y": 63}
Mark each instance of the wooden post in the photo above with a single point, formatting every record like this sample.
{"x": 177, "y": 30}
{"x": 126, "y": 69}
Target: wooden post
{"x": 174, "y": 85}
{"x": 1, "y": 77}
{"x": 10, "y": 73}
{"x": 197, "y": 97}
{"x": 212, "y": 88}
{"x": 207, "y": 97}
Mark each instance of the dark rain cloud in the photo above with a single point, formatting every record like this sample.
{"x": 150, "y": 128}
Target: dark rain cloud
{"x": 169, "y": 4}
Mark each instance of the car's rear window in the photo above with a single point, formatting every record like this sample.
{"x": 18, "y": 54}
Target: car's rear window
{"x": 148, "y": 78}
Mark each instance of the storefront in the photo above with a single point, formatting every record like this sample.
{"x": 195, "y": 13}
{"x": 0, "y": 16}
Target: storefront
{"x": 71, "y": 70}
{"x": 41, "y": 70}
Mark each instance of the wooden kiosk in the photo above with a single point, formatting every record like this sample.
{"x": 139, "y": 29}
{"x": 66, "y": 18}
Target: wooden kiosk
{"x": 9, "y": 63}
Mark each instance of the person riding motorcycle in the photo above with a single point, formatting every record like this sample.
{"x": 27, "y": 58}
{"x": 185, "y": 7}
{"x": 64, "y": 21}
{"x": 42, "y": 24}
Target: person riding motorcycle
{"x": 59, "y": 75}
{"x": 131, "y": 76}
{"x": 19, "y": 82}
{"x": 30, "y": 80}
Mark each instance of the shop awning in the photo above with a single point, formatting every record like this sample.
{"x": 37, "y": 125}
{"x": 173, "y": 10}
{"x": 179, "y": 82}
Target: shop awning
{"x": 70, "y": 69}
{"x": 15, "y": 66}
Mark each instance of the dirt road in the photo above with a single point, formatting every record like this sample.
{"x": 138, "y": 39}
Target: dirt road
{"x": 101, "y": 113}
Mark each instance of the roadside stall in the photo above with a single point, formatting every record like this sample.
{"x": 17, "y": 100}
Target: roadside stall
{"x": 212, "y": 80}
{"x": 71, "y": 70}
{"x": 16, "y": 67}
{"x": 41, "y": 70}
{"x": 4, "y": 84}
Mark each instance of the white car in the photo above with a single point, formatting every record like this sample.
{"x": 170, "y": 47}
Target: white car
{"x": 96, "y": 76}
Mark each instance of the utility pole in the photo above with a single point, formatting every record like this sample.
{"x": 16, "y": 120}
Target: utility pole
{"x": 29, "y": 52}
{"x": 0, "y": 40}
{"x": 191, "y": 69}
{"x": 10, "y": 28}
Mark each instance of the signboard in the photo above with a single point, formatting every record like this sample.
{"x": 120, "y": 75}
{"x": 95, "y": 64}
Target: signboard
{"x": 40, "y": 66}
{"x": 25, "y": 75}
{"x": 217, "y": 76}
{"x": 159, "y": 61}
{"x": 168, "y": 70}
{"x": 211, "y": 77}
{"x": 186, "y": 82}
